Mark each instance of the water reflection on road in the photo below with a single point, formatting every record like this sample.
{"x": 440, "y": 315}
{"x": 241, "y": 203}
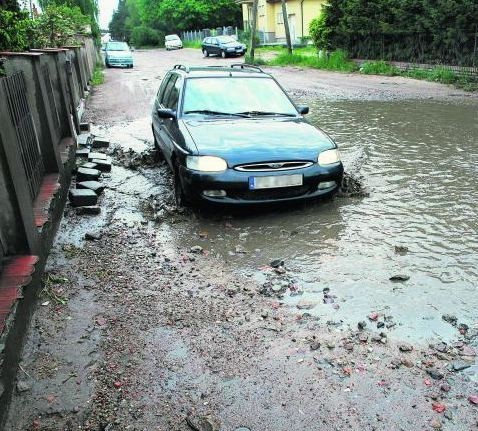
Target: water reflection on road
{"x": 420, "y": 164}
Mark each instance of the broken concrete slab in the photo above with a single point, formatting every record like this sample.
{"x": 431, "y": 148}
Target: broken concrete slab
{"x": 96, "y": 186}
{"x": 83, "y": 140}
{"x": 85, "y": 174}
{"x": 82, "y": 197}
{"x": 88, "y": 210}
{"x": 102, "y": 165}
{"x": 99, "y": 142}
{"x": 82, "y": 152}
{"x": 88, "y": 165}
{"x": 99, "y": 156}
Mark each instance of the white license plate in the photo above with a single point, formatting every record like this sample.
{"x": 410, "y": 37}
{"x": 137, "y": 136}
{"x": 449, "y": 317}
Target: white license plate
{"x": 277, "y": 181}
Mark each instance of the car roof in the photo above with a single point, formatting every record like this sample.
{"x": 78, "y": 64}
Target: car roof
{"x": 221, "y": 71}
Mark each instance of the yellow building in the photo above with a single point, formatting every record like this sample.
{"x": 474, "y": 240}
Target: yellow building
{"x": 270, "y": 23}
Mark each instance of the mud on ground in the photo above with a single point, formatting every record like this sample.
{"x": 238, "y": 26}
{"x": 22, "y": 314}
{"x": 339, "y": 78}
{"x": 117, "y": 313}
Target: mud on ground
{"x": 134, "y": 331}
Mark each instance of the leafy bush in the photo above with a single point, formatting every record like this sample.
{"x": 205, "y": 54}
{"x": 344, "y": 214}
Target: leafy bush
{"x": 245, "y": 37}
{"x": 319, "y": 32}
{"x": 15, "y": 29}
{"x": 147, "y": 36}
{"x": 379, "y": 67}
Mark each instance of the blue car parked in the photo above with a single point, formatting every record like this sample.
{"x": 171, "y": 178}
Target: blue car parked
{"x": 118, "y": 54}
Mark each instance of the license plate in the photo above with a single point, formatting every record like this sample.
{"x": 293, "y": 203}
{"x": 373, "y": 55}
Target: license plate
{"x": 276, "y": 181}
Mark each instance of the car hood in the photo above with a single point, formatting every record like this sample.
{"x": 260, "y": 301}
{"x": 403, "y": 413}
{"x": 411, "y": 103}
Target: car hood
{"x": 258, "y": 140}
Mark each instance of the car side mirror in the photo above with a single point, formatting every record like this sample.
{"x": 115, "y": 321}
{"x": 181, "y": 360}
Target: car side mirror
{"x": 303, "y": 110}
{"x": 167, "y": 113}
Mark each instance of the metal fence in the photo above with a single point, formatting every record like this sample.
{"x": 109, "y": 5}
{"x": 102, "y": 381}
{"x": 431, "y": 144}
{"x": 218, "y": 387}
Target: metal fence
{"x": 199, "y": 35}
{"x": 22, "y": 121}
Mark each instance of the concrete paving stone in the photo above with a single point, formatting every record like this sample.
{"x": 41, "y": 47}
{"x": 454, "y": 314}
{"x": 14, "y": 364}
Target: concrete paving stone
{"x": 102, "y": 165}
{"x": 96, "y": 186}
{"x": 84, "y": 139}
{"x": 99, "y": 156}
{"x": 82, "y": 152}
{"x": 85, "y": 174}
{"x": 85, "y": 127}
{"x": 88, "y": 165}
{"x": 82, "y": 197}
{"x": 88, "y": 210}
{"x": 99, "y": 142}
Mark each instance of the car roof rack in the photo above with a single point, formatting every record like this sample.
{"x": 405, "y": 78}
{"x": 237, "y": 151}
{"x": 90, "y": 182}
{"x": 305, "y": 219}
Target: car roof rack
{"x": 246, "y": 66}
{"x": 241, "y": 66}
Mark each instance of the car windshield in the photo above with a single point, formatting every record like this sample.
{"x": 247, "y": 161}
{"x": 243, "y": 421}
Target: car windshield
{"x": 117, "y": 46}
{"x": 236, "y": 95}
{"x": 226, "y": 39}
{"x": 173, "y": 37}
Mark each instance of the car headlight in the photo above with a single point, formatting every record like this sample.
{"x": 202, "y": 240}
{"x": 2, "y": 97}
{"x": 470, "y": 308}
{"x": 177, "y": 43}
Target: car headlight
{"x": 206, "y": 163}
{"x": 329, "y": 157}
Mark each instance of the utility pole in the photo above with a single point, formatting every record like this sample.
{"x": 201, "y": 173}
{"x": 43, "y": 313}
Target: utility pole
{"x": 253, "y": 30}
{"x": 286, "y": 26}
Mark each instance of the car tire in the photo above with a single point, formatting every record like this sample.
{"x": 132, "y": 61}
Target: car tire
{"x": 205, "y": 53}
{"x": 179, "y": 196}
{"x": 223, "y": 54}
{"x": 159, "y": 153}
{"x": 107, "y": 65}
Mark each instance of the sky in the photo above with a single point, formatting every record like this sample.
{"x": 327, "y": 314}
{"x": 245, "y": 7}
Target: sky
{"x": 106, "y": 11}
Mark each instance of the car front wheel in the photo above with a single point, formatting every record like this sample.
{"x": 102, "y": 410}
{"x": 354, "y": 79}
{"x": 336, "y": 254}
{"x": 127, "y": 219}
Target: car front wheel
{"x": 223, "y": 54}
{"x": 179, "y": 196}
{"x": 205, "y": 53}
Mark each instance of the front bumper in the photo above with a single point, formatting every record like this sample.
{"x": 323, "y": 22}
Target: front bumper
{"x": 236, "y": 185}
{"x": 120, "y": 62}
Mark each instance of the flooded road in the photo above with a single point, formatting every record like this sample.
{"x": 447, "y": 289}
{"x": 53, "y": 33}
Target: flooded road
{"x": 419, "y": 163}
{"x": 152, "y": 333}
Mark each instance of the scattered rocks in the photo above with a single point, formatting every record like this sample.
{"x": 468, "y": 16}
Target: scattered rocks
{"x": 96, "y": 186}
{"x": 200, "y": 423}
{"x": 401, "y": 249}
{"x": 473, "y": 399}
{"x": 467, "y": 351}
{"x": 92, "y": 236}
{"x": 453, "y": 320}
{"x": 435, "y": 374}
{"x": 23, "y": 386}
{"x": 438, "y": 407}
{"x": 196, "y": 249}
{"x": 436, "y": 424}
{"x": 362, "y": 325}
{"x": 459, "y": 366}
{"x": 399, "y": 277}
{"x": 306, "y": 305}
{"x": 85, "y": 174}
{"x": 88, "y": 210}
{"x": 276, "y": 263}
{"x": 405, "y": 347}
{"x": 373, "y": 316}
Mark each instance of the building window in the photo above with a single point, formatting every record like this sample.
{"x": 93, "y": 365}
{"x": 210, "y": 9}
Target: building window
{"x": 280, "y": 18}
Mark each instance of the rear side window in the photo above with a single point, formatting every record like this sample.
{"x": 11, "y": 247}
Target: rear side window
{"x": 167, "y": 89}
{"x": 162, "y": 89}
{"x": 172, "y": 99}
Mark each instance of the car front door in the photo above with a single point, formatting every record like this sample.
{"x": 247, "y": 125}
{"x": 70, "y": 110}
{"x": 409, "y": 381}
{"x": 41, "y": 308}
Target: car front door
{"x": 216, "y": 49}
{"x": 158, "y": 104}
{"x": 169, "y": 131}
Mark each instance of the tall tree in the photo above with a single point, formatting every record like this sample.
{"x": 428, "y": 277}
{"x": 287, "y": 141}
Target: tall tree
{"x": 11, "y": 5}
{"x": 117, "y": 26}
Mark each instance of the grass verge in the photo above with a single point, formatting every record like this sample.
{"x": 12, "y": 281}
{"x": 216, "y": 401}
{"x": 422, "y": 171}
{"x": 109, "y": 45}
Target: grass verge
{"x": 98, "y": 77}
{"x": 196, "y": 44}
{"x": 337, "y": 60}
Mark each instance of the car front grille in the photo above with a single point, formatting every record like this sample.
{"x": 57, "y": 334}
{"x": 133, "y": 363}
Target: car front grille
{"x": 273, "y": 166}
{"x": 120, "y": 60}
{"x": 271, "y": 194}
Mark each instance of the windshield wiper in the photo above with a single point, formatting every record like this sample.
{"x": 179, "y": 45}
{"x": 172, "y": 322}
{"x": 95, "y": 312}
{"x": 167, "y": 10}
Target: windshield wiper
{"x": 209, "y": 112}
{"x": 266, "y": 113}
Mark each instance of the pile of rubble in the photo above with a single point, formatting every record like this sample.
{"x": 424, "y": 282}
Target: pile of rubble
{"x": 91, "y": 163}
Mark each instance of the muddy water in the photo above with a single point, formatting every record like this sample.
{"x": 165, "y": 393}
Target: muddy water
{"x": 419, "y": 161}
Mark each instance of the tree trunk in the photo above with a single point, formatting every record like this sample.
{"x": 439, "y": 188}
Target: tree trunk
{"x": 253, "y": 30}
{"x": 286, "y": 26}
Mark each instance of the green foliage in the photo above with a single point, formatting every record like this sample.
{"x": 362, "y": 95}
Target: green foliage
{"x": 15, "y": 29}
{"x": 336, "y": 60}
{"x": 245, "y": 37}
{"x": 10, "y": 5}
{"x": 171, "y": 16}
{"x": 402, "y": 30}
{"x": 195, "y": 44}
{"x": 257, "y": 61}
{"x": 379, "y": 67}
{"x": 58, "y": 25}
{"x": 146, "y": 36}
{"x": 98, "y": 77}
{"x": 319, "y": 32}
